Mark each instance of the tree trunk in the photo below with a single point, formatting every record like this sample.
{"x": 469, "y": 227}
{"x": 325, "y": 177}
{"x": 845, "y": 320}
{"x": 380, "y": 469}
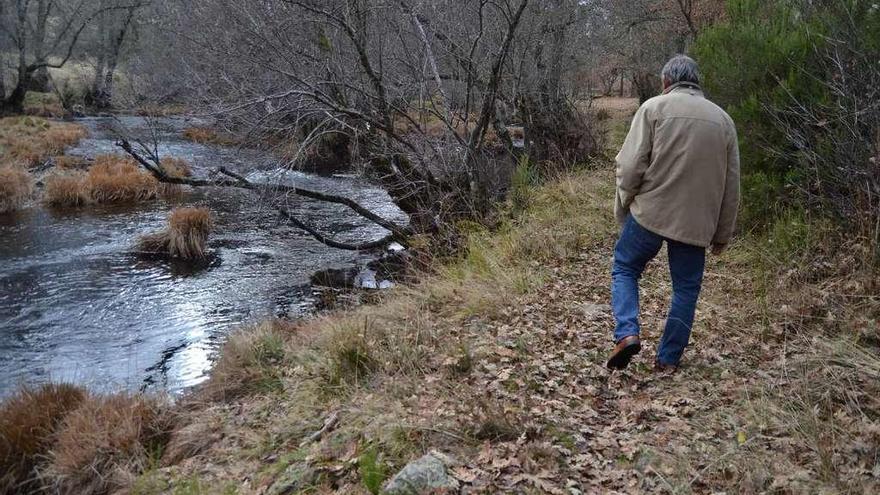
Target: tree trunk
{"x": 15, "y": 102}
{"x": 104, "y": 99}
{"x": 647, "y": 85}
{"x": 2, "y": 78}
{"x": 39, "y": 79}
{"x": 100, "y": 66}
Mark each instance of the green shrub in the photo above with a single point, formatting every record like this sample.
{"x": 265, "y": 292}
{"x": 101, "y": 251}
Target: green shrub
{"x": 794, "y": 233}
{"x": 525, "y": 177}
{"x": 372, "y": 470}
{"x": 790, "y": 72}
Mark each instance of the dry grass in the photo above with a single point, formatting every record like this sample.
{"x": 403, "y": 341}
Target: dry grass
{"x": 43, "y": 105}
{"x": 206, "y": 135}
{"x": 249, "y": 361}
{"x": 435, "y": 128}
{"x": 67, "y": 162}
{"x": 118, "y": 179}
{"x": 162, "y": 110}
{"x": 28, "y": 421}
{"x": 31, "y": 140}
{"x": 186, "y": 236}
{"x": 66, "y": 190}
{"x": 111, "y": 179}
{"x": 174, "y": 167}
{"x": 105, "y": 443}
{"x": 16, "y": 187}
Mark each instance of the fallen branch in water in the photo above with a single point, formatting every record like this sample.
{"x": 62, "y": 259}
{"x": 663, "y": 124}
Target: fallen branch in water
{"x": 226, "y": 178}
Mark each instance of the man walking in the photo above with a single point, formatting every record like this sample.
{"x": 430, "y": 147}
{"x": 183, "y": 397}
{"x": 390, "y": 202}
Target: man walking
{"x": 678, "y": 183}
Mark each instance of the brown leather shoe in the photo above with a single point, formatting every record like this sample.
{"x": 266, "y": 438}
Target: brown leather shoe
{"x": 624, "y": 351}
{"x": 664, "y": 368}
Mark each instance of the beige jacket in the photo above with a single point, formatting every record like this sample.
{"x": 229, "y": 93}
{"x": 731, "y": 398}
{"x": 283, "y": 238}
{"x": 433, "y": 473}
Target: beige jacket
{"x": 678, "y": 171}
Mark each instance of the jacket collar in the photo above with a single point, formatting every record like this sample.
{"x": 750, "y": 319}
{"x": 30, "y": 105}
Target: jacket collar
{"x": 690, "y": 87}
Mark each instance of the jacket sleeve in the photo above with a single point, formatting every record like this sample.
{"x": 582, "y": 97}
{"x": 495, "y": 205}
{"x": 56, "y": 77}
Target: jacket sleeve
{"x": 632, "y": 161}
{"x": 730, "y": 203}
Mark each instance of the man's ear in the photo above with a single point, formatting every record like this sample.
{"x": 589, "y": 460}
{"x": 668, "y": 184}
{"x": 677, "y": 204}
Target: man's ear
{"x": 665, "y": 84}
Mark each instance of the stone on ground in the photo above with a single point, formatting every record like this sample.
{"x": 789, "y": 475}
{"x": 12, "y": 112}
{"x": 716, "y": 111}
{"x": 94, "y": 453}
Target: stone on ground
{"x": 428, "y": 474}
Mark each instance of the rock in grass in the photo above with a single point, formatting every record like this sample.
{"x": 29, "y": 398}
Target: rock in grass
{"x": 294, "y": 479}
{"x": 428, "y": 474}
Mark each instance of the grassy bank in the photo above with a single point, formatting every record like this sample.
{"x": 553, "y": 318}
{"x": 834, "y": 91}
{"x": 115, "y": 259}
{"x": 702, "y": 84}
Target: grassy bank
{"x": 32, "y": 149}
{"x": 497, "y": 359}
{"x": 25, "y": 143}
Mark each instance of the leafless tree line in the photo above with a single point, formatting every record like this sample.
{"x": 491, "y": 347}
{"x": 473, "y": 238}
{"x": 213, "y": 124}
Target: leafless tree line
{"x": 437, "y": 100}
{"x": 420, "y": 94}
{"x": 642, "y": 34}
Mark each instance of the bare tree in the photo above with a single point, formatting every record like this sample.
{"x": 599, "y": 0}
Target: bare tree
{"x": 417, "y": 93}
{"x": 643, "y": 34}
{"x": 113, "y": 27}
{"x": 44, "y": 34}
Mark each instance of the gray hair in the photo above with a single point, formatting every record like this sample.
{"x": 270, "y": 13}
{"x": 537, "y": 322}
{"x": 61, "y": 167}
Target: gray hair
{"x": 681, "y": 69}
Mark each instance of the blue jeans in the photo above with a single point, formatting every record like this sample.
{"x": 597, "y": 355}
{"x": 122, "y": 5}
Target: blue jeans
{"x": 635, "y": 248}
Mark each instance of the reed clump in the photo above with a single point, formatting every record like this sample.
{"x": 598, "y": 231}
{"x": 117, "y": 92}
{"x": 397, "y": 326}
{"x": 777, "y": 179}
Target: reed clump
{"x": 118, "y": 179}
{"x": 16, "y": 187}
{"x": 66, "y": 190}
{"x": 31, "y": 140}
{"x": 111, "y": 179}
{"x": 185, "y": 238}
{"x": 177, "y": 168}
{"x": 206, "y": 135}
{"x": 28, "y": 422}
{"x": 250, "y": 361}
{"x": 105, "y": 443}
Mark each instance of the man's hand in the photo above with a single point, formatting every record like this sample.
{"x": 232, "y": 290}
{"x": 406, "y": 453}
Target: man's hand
{"x": 718, "y": 249}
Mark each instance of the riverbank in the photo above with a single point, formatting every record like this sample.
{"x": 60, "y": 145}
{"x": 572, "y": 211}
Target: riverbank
{"x": 79, "y": 303}
{"x": 496, "y": 360}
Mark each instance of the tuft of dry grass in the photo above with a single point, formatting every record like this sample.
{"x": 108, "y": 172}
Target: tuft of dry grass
{"x": 111, "y": 179}
{"x": 206, "y": 135}
{"x": 67, "y": 162}
{"x": 30, "y": 140}
{"x": 65, "y": 190}
{"x": 189, "y": 229}
{"x": 43, "y": 105}
{"x": 174, "y": 167}
{"x": 185, "y": 238}
{"x": 116, "y": 179}
{"x": 28, "y": 421}
{"x": 106, "y": 442}
{"x": 16, "y": 187}
{"x": 249, "y": 361}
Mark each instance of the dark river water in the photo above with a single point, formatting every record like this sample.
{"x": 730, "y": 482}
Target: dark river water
{"x": 77, "y": 305}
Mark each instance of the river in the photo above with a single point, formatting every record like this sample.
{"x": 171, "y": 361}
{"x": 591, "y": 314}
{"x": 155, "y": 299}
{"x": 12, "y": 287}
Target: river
{"x": 77, "y": 305}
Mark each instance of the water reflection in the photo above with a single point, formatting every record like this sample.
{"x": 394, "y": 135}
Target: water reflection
{"x": 77, "y": 305}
